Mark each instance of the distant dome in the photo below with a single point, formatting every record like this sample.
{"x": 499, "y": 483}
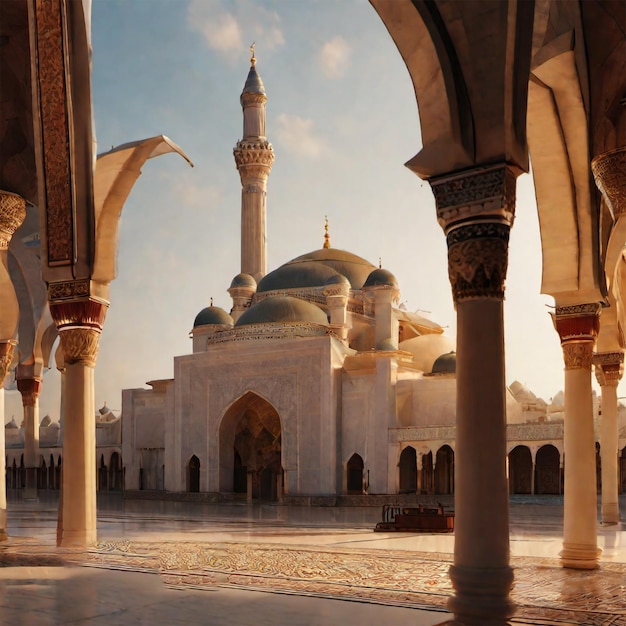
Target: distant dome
{"x": 315, "y": 268}
{"x": 104, "y": 409}
{"x": 445, "y": 364}
{"x": 338, "y": 279}
{"x": 282, "y": 309}
{"x": 243, "y": 280}
{"x": 46, "y": 421}
{"x": 381, "y": 277}
{"x": 11, "y": 424}
{"x": 426, "y": 349}
{"x": 213, "y": 315}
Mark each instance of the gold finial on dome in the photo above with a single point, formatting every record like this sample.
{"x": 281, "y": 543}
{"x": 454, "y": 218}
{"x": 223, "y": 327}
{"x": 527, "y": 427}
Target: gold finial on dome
{"x": 252, "y": 57}
{"x": 211, "y": 302}
{"x": 326, "y": 235}
{"x": 380, "y": 263}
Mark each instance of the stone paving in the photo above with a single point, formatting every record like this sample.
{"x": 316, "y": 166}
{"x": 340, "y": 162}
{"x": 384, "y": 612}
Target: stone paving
{"x": 331, "y": 555}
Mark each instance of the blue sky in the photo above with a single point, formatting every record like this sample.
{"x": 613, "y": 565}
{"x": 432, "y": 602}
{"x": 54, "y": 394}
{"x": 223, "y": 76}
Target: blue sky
{"x": 343, "y": 120}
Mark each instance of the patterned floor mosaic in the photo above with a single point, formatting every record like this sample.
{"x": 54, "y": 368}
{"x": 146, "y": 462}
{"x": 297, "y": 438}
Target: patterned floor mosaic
{"x": 544, "y": 592}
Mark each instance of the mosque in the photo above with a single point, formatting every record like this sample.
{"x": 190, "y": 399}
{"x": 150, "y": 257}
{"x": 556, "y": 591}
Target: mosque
{"x": 317, "y": 383}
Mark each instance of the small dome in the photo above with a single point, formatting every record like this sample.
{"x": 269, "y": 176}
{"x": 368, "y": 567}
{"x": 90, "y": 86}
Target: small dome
{"x": 11, "y": 424}
{"x": 381, "y": 278}
{"x": 213, "y": 315}
{"x": 445, "y": 364}
{"x": 243, "y": 280}
{"x": 104, "y": 409}
{"x": 338, "y": 279}
{"x": 46, "y": 421}
{"x": 282, "y": 309}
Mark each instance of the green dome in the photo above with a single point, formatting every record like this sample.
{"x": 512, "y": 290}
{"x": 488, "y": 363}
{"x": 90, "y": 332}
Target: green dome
{"x": 381, "y": 277}
{"x": 314, "y": 269}
{"x": 445, "y": 364}
{"x": 213, "y": 315}
{"x": 282, "y": 309}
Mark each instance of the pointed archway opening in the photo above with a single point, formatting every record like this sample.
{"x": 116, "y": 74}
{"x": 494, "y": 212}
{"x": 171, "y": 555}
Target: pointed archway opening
{"x": 547, "y": 470}
{"x": 251, "y": 449}
{"x": 354, "y": 470}
{"x": 520, "y": 470}
{"x": 444, "y": 470}
{"x": 408, "y": 470}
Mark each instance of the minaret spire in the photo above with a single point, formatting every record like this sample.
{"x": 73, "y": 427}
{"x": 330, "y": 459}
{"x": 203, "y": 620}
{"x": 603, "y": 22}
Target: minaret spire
{"x": 254, "y": 157}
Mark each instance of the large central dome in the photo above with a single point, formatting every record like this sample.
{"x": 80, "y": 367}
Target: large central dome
{"x": 315, "y": 268}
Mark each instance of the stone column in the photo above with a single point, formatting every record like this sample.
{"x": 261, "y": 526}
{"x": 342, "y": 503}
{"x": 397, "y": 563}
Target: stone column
{"x": 476, "y": 209}
{"x": 6, "y": 356}
{"x": 30, "y": 386}
{"x": 578, "y": 326}
{"x": 80, "y": 324}
{"x": 609, "y": 368}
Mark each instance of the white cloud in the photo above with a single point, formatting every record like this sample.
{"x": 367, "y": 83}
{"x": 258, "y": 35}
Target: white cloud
{"x": 334, "y": 57}
{"x": 298, "y": 136}
{"x": 230, "y": 27}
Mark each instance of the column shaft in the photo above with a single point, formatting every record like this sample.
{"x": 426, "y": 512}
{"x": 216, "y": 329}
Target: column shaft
{"x": 3, "y": 482}
{"x": 608, "y": 454}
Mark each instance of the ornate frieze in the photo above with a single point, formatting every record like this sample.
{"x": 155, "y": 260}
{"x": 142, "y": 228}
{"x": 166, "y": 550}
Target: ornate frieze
{"x": 477, "y": 260}
{"x": 285, "y": 330}
{"x": 514, "y": 432}
{"x": 476, "y": 193}
{"x": 49, "y": 42}
{"x": 6, "y": 357}
{"x": 30, "y": 388}
{"x": 251, "y": 97}
{"x": 254, "y": 158}
{"x": 609, "y": 171}
{"x": 68, "y": 290}
{"x": 12, "y": 214}
{"x": 577, "y": 354}
{"x": 609, "y": 367}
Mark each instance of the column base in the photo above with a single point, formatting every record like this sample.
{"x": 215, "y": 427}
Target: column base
{"x": 579, "y": 556}
{"x": 482, "y": 596}
{"x": 77, "y": 538}
{"x": 610, "y": 513}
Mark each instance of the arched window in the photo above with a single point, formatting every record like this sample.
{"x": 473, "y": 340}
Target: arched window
{"x": 355, "y": 474}
{"x": 547, "y": 471}
{"x": 193, "y": 474}
{"x": 444, "y": 470}
{"x": 408, "y": 470}
{"x": 520, "y": 470}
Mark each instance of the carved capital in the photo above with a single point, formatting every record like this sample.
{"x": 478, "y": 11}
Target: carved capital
{"x": 12, "y": 214}
{"x": 609, "y": 172}
{"x": 30, "y": 388}
{"x": 579, "y": 322}
{"x": 6, "y": 357}
{"x": 80, "y": 323}
{"x": 80, "y": 345}
{"x": 477, "y": 260}
{"x": 609, "y": 367}
{"x": 253, "y": 98}
{"x": 486, "y": 192}
{"x": 577, "y": 354}
{"x": 254, "y": 158}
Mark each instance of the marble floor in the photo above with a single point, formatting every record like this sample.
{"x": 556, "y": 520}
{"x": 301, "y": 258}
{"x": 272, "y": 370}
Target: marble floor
{"x": 188, "y": 563}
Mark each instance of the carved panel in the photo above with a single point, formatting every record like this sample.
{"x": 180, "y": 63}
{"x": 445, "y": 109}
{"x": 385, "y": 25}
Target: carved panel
{"x": 6, "y": 357}
{"x": 577, "y": 354}
{"x": 477, "y": 260}
{"x": 609, "y": 171}
{"x": 80, "y": 345}
{"x": 609, "y": 367}
{"x": 68, "y": 290}
{"x": 55, "y": 131}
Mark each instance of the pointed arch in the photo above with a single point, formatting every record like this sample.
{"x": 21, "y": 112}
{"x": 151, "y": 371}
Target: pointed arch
{"x": 408, "y": 470}
{"x": 520, "y": 470}
{"x": 444, "y": 470}
{"x": 193, "y": 474}
{"x": 354, "y": 474}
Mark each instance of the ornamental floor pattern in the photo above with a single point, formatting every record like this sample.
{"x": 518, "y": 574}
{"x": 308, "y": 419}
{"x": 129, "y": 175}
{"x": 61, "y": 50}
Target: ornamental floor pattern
{"x": 544, "y": 592}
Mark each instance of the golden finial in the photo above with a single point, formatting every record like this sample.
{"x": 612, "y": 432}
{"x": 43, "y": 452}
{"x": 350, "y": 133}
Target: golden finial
{"x": 380, "y": 263}
{"x": 252, "y": 57}
{"x": 326, "y": 235}
{"x": 211, "y": 302}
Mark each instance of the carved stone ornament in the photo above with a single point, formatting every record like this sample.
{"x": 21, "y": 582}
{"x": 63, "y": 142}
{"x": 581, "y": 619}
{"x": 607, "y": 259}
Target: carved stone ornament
{"x": 578, "y": 322}
{"x": 251, "y": 97}
{"x": 254, "y": 153}
{"x": 6, "y": 357}
{"x": 609, "y": 171}
{"x": 30, "y": 388}
{"x": 609, "y": 367}
{"x": 477, "y": 260}
{"x": 68, "y": 290}
{"x": 51, "y": 55}
{"x": 12, "y": 214}
{"x": 577, "y": 354}
{"x": 479, "y": 192}
{"x": 80, "y": 345}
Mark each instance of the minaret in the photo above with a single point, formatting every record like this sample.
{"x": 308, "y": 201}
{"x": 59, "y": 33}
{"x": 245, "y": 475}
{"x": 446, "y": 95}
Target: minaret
{"x": 254, "y": 156}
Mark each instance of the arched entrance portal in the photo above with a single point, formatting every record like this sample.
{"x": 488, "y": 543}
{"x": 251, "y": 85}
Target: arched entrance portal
{"x": 354, "y": 471}
{"x": 520, "y": 470}
{"x": 444, "y": 470}
{"x": 250, "y": 449}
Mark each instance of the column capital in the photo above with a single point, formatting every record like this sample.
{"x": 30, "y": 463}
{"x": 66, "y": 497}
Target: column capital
{"x": 6, "y": 357}
{"x": 609, "y": 367}
{"x": 12, "y": 214}
{"x": 578, "y": 322}
{"x": 80, "y": 323}
{"x": 609, "y": 172}
{"x": 485, "y": 193}
{"x": 30, "y": 388}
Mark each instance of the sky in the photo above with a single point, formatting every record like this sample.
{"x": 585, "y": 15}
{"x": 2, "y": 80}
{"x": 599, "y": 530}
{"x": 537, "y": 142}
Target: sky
{"x": 343, "y": 120}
